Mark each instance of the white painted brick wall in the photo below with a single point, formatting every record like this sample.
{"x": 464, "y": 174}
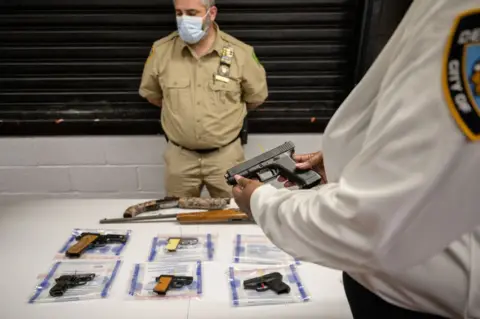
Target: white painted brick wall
{"x": 68, "y": 151}
{"x": 104, "y": 178}
{"x": 150, "y": 178}
{"x": 34, "y": 179}
{"x": 102, "y": 167}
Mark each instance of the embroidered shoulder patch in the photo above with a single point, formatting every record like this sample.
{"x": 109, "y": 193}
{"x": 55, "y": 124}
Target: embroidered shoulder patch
{"x": 254, "y": 56}
{"x": 461, "y": 73}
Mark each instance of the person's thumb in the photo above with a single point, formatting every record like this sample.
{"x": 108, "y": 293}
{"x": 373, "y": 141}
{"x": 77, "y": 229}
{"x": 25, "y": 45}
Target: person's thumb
{"x": 241, "y": 181}
{"x": 305, "y": 165}
{"x": 301, "y": 158}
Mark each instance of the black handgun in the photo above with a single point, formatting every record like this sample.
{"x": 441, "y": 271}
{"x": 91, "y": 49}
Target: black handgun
{"x": 268, "y": 166}
{"x": 93, "y": 240}
{"x": 165, "y": 282}
{"x": 272, "y": 281}
{"x": 65, "y": 282}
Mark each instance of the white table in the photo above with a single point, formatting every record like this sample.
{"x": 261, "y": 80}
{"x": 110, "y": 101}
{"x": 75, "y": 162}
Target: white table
{"x": 32, "y": 232}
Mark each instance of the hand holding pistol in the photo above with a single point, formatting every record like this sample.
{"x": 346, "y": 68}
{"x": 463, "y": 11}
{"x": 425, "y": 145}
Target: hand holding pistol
{"x": 271, "y": 165}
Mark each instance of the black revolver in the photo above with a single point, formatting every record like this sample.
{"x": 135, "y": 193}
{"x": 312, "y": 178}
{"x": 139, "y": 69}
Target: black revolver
{"x": 65, "y": 282}
{"x": 92, "y": 240}
{"x": 267, "y": 167}
{"x": 272, "y": 281}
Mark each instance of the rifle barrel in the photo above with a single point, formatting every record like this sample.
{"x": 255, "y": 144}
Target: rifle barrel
{"x": 139, "y": 218}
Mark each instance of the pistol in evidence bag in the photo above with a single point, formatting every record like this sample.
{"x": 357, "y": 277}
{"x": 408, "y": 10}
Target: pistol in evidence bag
{"x": 65, "y": 282}
{"x": 86, "y": 241}
{"x": 272, "y": 281}
{"x": 271, "y": 165}
{"x": 174, "y": 242}
{"x": 166, "y": 282}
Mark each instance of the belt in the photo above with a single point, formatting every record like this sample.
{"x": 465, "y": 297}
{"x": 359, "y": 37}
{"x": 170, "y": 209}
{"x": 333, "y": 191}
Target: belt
{"x": 203, "y": 150}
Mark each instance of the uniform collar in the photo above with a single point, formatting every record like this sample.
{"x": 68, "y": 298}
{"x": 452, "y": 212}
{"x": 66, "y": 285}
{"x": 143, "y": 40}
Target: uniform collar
{"x": 217, "y": 44}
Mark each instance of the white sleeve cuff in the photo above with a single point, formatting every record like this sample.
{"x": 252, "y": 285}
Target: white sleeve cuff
{"x": 258, "y": 197}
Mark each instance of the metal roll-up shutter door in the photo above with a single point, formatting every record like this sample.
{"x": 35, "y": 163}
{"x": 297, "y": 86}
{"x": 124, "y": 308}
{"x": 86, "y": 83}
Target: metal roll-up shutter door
{"x": 74, "y": 67}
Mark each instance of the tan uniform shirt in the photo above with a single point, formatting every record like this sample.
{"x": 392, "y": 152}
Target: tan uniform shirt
{"x": 198, "y": 111}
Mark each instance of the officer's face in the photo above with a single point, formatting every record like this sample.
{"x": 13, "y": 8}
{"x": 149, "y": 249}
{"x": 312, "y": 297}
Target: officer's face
{"x": 194, "y": 8}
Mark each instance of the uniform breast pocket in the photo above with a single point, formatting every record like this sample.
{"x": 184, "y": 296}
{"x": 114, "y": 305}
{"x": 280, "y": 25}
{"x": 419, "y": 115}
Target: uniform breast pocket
{"x": 225, "y": 94}
{"x": 177, "y": 94}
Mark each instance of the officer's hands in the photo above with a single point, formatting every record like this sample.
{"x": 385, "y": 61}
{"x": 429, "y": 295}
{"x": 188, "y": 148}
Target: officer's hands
{"x": 312, "y": 161}
{"x": 243, "y": 191}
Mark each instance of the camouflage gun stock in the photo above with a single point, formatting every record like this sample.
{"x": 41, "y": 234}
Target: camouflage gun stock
{"x": 177, "y": 202}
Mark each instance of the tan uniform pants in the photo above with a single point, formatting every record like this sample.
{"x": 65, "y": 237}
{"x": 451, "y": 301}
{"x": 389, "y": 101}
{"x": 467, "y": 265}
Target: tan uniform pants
{"x": 187, "y": 172}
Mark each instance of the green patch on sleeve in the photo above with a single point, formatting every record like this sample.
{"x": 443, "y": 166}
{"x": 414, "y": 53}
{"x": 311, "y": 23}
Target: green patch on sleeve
{"x": 255, "y": 57}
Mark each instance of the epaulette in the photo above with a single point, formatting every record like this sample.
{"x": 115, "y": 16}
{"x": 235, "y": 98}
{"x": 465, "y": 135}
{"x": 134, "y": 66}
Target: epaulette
{"x": 234, "y": 41}
{"x": 166, "y": 39}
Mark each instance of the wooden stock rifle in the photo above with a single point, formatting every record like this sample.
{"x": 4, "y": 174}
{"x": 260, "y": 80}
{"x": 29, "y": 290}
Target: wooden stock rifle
{"x": 208, "y": 217}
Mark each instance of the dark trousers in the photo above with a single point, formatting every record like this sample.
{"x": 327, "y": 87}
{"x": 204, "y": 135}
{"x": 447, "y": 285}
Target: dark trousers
{"x": 366, "y": 305}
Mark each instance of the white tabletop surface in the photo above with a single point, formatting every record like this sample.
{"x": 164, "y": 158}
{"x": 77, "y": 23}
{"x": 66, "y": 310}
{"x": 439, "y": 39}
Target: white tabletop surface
{"x": 31, "y": 232}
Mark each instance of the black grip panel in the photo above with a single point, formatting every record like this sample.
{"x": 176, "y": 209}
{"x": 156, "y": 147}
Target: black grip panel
{"x": 304, "y": 179}
{"x": 279, "y": 287}
{"x": 59, "y": 289}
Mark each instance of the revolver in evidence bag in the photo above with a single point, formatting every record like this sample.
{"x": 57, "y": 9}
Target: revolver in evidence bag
{"x": 165, "y": 282}
{"x": 65, "y": 282}
{"x": 86, "y": 241}
{"x": 272, "y": 281}
{"x": 267, "y": 167}
{"x": 176, "y": 202}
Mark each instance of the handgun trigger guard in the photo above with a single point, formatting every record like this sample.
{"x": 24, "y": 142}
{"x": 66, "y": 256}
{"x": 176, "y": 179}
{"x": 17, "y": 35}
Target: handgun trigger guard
{"x": 262, "y": 288}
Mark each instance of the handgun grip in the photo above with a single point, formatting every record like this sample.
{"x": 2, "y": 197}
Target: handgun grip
{"x": 279, "y": 287}
{"x": 305, "y": 179}
{"x": 213, "y": 216}
{"x": 76, "y": 250}
{"x": 163, "y": 284}
{"x": 59, "y": 289}
{"x": 172, "y": 244}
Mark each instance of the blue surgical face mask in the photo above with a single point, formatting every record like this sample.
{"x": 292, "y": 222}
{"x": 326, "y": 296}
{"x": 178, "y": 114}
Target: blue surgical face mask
{"x": 191, "y": 29}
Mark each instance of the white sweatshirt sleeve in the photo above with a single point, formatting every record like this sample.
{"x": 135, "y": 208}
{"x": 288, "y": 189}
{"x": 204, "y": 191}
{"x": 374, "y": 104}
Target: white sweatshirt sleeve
{"x": 410, "y": 191}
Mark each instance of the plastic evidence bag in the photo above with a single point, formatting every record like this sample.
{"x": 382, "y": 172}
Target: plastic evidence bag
{"x": 240, "y": 296}
{"x": 184, "y": 280}
{"x": 86, "y": 244}
{"x": 178, "y": 248}
{"x": 258, "y": 249}
{"x": 76, "y": 280}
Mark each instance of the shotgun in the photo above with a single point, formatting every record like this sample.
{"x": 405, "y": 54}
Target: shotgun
{"x": 208, "y": 217}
